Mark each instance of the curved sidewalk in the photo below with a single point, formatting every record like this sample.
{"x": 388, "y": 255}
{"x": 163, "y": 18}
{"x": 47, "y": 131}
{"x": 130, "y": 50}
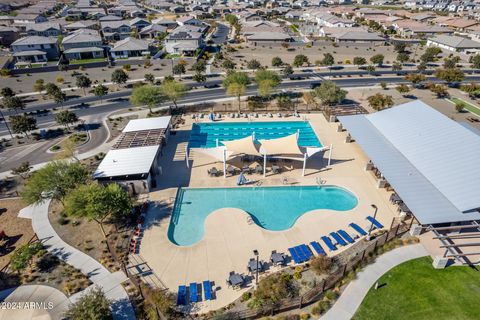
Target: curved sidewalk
{"x": 55, "y": 303}
{"x": 111, "y": 283}
{"x": 351, "y": 298}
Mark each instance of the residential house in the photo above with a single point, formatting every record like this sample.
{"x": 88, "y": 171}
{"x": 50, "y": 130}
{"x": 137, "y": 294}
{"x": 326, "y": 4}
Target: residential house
{"x": 191, "y": 21}
{"x": 360, "y": 36}
{"x": 22, "y": 19}
{"x": 414, "y": 29}
{"x": 268, "y": 37}
{"x": 115, "y": 30}
{"x": 152, "y": 31}
{"x": 35, "y": 49}
{"x": 84, "y": 24}
{"x": 169, "y": 24}
{"x": 330, "y": 20}
{"x": 83, "y": 44}
{"x": 455, "y": 43}
{"x": 130, "y": 47}
{"x": 184, "y": 40}
{"x": 44, "y": 29}
{"x": 8, "y": 35}
{"x": 139, "y": 23}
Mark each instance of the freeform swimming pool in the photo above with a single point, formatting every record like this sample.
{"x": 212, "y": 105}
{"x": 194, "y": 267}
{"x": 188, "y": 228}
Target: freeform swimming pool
{"x": 272, "y": 208}
{"x": 204, "y": 135}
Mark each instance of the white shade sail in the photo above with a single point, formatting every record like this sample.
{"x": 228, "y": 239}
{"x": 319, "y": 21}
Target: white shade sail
{"x": 244, "y": 145}
{"x": 284, "y": 145}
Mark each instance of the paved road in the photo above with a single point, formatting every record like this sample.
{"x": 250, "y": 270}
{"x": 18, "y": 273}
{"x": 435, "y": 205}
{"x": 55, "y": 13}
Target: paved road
{"x": 119, "y": 100}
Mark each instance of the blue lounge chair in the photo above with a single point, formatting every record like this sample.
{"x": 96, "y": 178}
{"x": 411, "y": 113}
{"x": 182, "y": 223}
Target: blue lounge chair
{"x": 294, "y": 255}
{"x": 301, "y": 255}
{"x": 338, "y": 238}
{"x": 357, "y": 228}
{"x": 193, "y": 292}
{"x": 345, "y": 236}
{"x": 207, "y": 290}
{"x": 375, "y": 222}
{"x": 317, "y": 247}
{"x": 306, "y": 251}
{"x": 181, "y": 297}
{"x": 329, "y": 243}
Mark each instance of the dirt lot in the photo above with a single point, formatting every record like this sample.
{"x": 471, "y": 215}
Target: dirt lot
{"x": 442, "y": 105}
{"x": 24, "y": 82}
{"x": 18, "y": 229}
{"x": 346, "y": 51}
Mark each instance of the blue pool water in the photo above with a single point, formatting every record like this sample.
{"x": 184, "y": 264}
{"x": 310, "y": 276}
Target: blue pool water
{"x": 272, "y": 208}
{"x": 204, "y": 135}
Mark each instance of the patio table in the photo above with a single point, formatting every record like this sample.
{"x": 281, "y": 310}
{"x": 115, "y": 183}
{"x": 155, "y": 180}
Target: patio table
{"x": 252, "y": 265}
{"x": 277, "y": 258}
{"x": 236, "y": 279}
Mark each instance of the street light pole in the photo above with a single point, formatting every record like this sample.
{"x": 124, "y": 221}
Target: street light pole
{"x": 255, "y": 252}
{"x": 374, "y": 217}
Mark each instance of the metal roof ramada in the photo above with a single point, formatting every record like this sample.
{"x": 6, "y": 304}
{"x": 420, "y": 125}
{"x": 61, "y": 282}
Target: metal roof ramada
{"x": 427, "y": 158}
{"x": 147, "y": 124}
{"x": 126, "y": 162}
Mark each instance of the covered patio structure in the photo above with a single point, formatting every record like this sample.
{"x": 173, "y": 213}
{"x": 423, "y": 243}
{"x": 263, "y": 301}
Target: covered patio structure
{"x": 285, "y": 148}
{"x": 431, "y": 163}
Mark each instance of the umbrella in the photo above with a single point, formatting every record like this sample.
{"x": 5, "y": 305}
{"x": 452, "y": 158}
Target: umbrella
{"x": 211, "y": 116}
{"x": 241, "y": 179}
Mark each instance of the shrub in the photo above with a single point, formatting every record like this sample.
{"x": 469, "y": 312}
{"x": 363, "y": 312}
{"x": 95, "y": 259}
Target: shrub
{"x": 63, "y": 221}
{"x": 330, "y": 295}
{"x": 47, "y": 263}
{"x": 321, "y": 264}
{"x": 246, "y": 296}
{"x": 459, "y": 106}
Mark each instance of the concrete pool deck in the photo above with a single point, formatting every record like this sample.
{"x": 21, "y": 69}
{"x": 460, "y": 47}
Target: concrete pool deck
{"x": 229, "y": 239}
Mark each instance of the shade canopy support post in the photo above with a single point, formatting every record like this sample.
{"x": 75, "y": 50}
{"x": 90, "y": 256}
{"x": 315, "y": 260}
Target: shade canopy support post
{"x": 225, "y": 163}
{"x": 304, "y": 164}
{"x": 330, "y": 154}
{"x": 264, "y": 164}
{"x": 186, "y": 156}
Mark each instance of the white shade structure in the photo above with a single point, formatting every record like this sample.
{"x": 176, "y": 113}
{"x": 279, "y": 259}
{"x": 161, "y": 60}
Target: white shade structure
{"x": 285, "y": 145}
{"x": 242, "y": 146}
{"x": 281, "y": 148}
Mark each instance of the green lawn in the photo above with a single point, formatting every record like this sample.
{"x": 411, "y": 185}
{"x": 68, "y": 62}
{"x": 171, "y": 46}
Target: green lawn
{"x": 415, "y": 290}
{"x": 87, "y": 60}
{"x": 467, "y": 106}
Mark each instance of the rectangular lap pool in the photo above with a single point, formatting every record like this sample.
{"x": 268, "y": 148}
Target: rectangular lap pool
{"x": 272, "y": 208}
{"x": 204, "y": 135}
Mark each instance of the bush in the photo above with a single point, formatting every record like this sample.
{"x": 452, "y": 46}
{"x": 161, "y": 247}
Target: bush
{"x": 47, "y": 263}
{"x": 459, "y": 106}
{"x": 246, "y": 296}
{"x": 63, "y": 221}
{"x": 321, "y": 264}
{"x": 320, "y": 307}
{"x": 330, "y": 295}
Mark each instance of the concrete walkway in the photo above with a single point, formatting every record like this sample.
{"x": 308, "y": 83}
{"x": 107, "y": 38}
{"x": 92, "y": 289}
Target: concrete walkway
{"x": 352, "y": 297}
{"x": 51, "y": 303}
{"x": 96, "y": 272}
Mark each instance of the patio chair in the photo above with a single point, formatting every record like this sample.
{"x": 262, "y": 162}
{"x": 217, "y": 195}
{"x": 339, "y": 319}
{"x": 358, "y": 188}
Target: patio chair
{"x": 207, "y": 290}
{"x": 345, "y": 236}
{"x": 193, "y": 292}
{"x": 375, "y": 222}
{"x": 259, "y": 169}
{"x": 358, "y": 229}
{"x": 337, "y": 238}
{"x": 181, "y": 297}
{"x": 318, "y": 248}
{"x": 328, "y": 242}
